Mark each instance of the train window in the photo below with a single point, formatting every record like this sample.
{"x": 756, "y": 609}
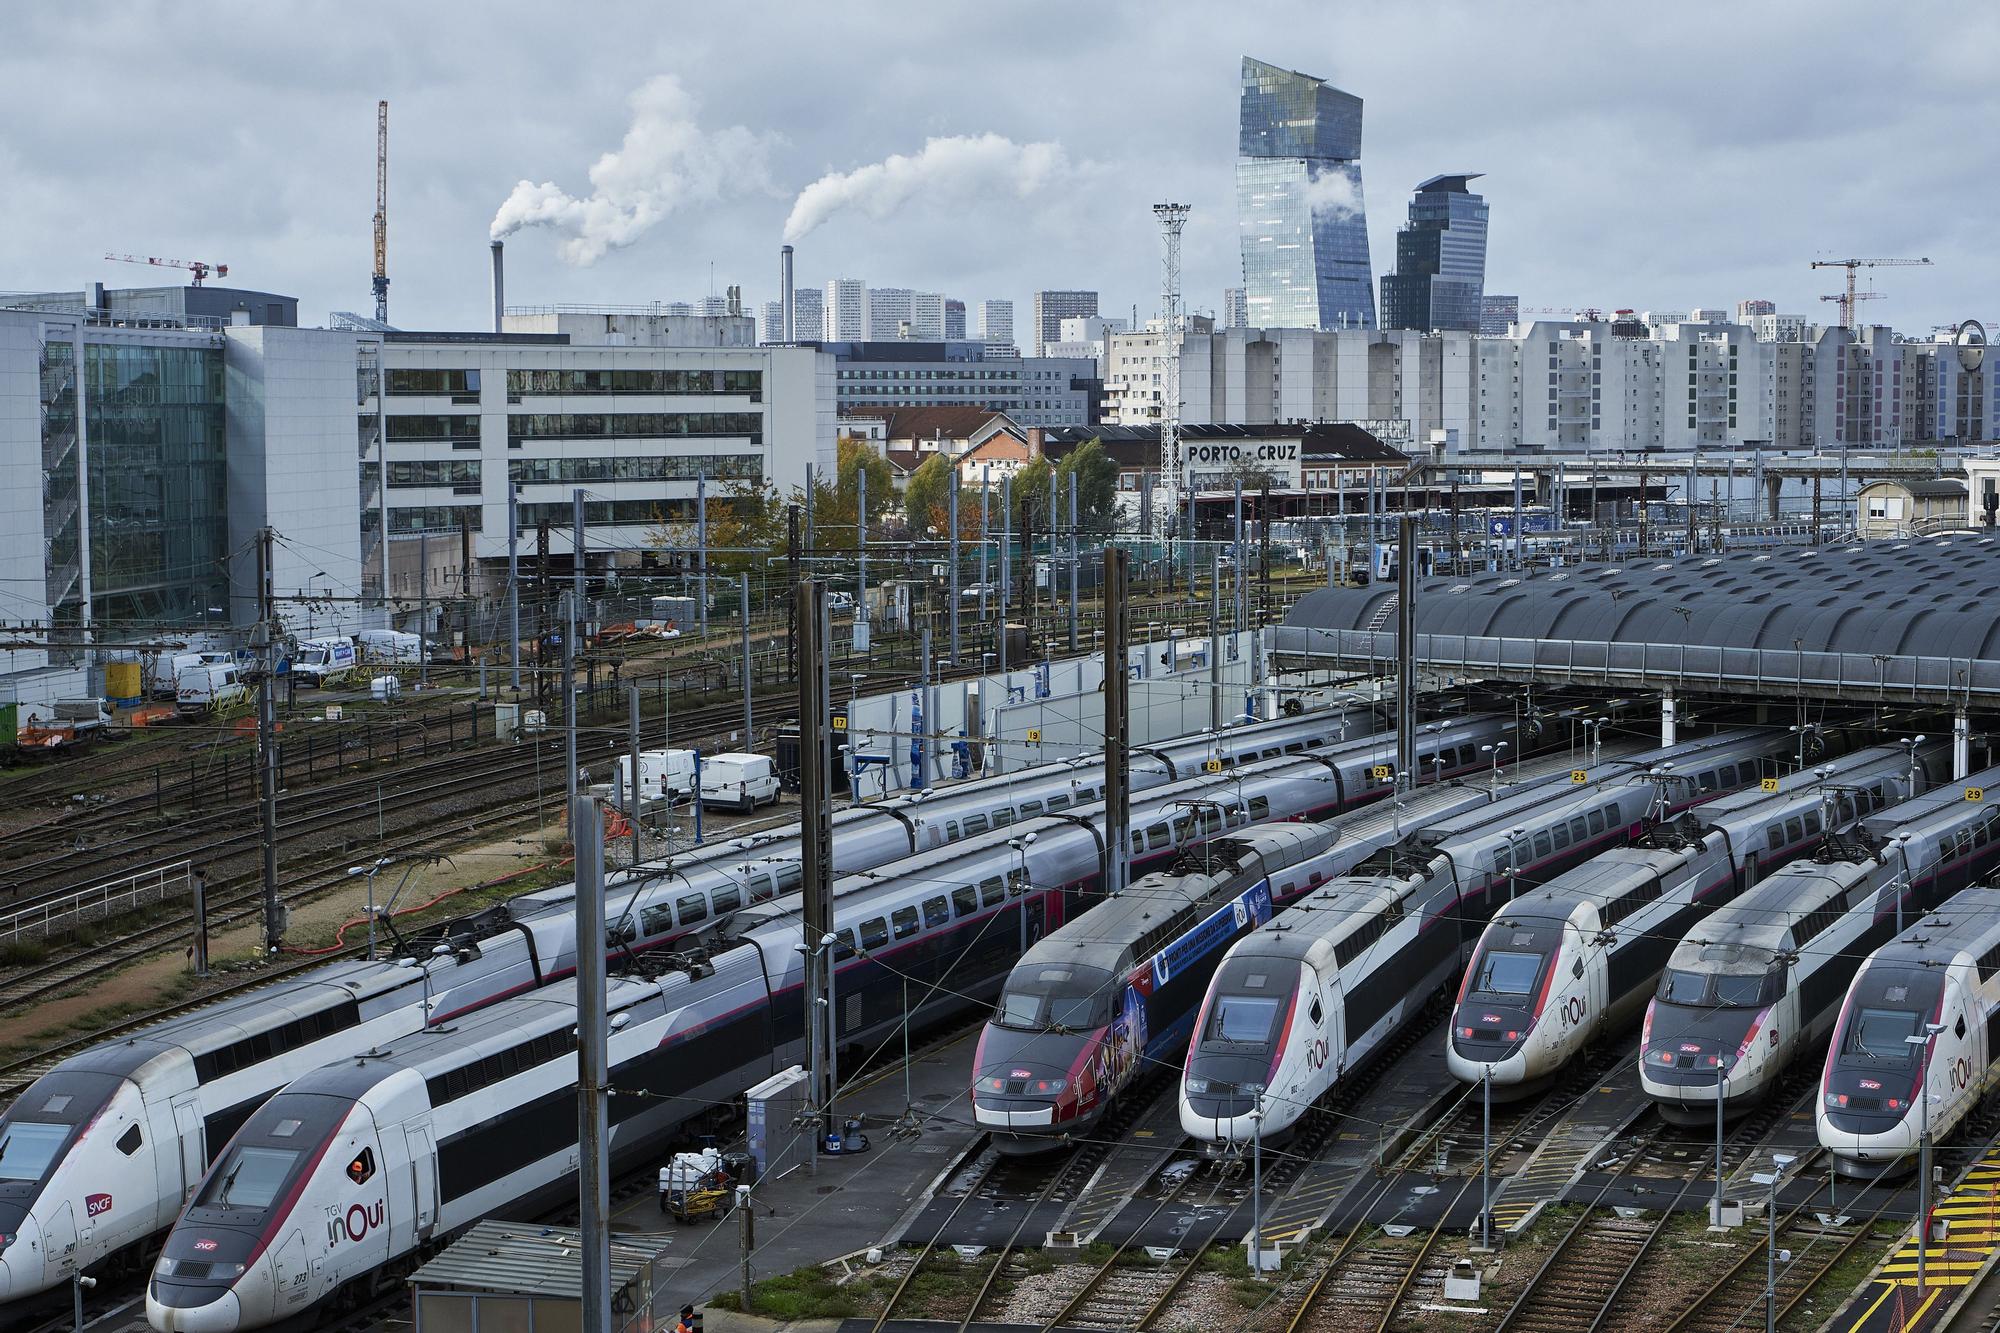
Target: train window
{"x": 690, "y": 908}
{"x": 1596, "y": 818}
{"x": 903, "y": 921}
{"x": 950, "y": 828}
{"x": 1812, "y": 816}
{"x": 991, "y": 891}
{"x": 252, "y": 1180}
{"x": 1317, "y": 1012}
{"x": 1029, "y": 809}
{"x": 791, "y": 877}
{"x": 1138, "y": 843}
{"x": 1561, "y": 836}
{"x": 975, "y": 824}
{"x": 1706, "y": 782}
{"x": 129, "y": 1141}
{"x": 1003, "y": 815}
{"x": 1776, "y": 836}
{"x": 937, "y": 912}
{"x": 1158, "y": 837}
{"x": 1062, "y": 802}
{"x": 362, "y": 1168}
{"x": 843, "y": 945}
{"x": 874, "y": 934}
{"x": 656, "y": 920}
{"x": 762, "y": 886}
{"x": 1541, "y": 845}
{"x": 1294, "y": 747}
{"x": 1260, "y": 807}
{"x": 726, "y": 899}
{"x": 965, "y": 899}
{"x": 1017, "y": 882}
{"x": 1959, "y": 1030}
{"x": 1579, "y": 828}
{"x": 1794, "y": 830}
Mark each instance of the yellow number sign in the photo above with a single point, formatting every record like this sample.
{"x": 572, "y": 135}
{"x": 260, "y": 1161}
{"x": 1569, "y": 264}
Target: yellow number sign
{"x": 1380, "y": 772}
{"x": 1211, "y": 765}
{"x": 1578, "y": 775}
{"x": 1975, "y": 793}
{"x": 1769, "y": 784}
{"x": 1034, "y": 734}
{"x": 840, "y": 724}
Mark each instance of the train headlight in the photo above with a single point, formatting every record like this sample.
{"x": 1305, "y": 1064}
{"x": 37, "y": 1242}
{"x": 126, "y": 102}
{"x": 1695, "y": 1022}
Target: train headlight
{"x": 1836, "y": 1099}
{"x": 194, "y": 1268}
{"x": 5, "y": 1241}
{"x": 1197, "y": 1085}
{"x": 1048, "y": 1087}
{"x": 1254, "y": 1089}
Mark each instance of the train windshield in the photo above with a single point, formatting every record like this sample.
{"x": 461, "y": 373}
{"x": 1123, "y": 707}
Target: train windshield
{"x": 1056, "y": 998}
{"x": 251, "y": 1180}
{"x": 1504, "y": 973}
{"x": 1242, "y": 1018}
{"x": 1736, "y": 977}
{"x": 27, "y": 1149}
{"x": 1880, "y": 1035}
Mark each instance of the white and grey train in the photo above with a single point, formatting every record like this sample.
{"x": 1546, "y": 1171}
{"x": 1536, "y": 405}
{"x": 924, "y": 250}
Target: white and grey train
{"x": 1574, "y": 960}
{"x": 76, "y": 1194}
{"x": 951, "y": 922}
{"x": 1758, "y": 984}
{"x": 1330, "y": 982}
{"x": 1938, "y": 982}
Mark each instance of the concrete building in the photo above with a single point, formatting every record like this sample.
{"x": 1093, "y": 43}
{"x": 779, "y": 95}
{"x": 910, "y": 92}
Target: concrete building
{"x": 1235, "y": 310}
{"x": 927, "y": 316}
{"x": 1034, "y": 391}
{"x": 996, "y": 322}
{"x": 1303, "y": 227}
{"x": 1301, "y": 462}
{"x": 632, "y": 326}
{"x": 807, "y": 325}
{"x": 1497, "y": 314}
{"x": 889, "y": 313}
{"x": 1051, "y": 309}
{"x": 1750, "y": 307}
{"x": 954, "y": 320}
{"x": 1898, "y": 509}
{"x": 184, "y": 306}
{"x": 1440, "y": 278}
{"x": 845, "y": 310}
{"x": 1085, "y": 336}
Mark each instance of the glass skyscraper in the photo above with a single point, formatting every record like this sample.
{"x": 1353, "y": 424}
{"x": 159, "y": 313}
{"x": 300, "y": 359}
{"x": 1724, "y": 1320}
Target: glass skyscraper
{"x": 1298, "y": 203}
{"x": 1440, "y": 276}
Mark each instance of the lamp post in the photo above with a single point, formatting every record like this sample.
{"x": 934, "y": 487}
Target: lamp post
{"x": 1494, "y": 750}
{"x": 1020, "y": 846}
{"x": 1721, "y": 1095}
{"x": 1911, "y": 743}
{"x": 1921, "y": 1041}
{"x": 853, "y": 755}
{"x": 1486, "y": 1158}
{"x": 1596, "y": 728}
{"x": 1257, "y": 1186}
{"x": 1779, "y": 1161}
{"x": 371, "y": 870}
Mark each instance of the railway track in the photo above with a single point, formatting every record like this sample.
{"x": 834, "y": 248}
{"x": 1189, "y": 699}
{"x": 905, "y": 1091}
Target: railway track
{"x": 1371, "y": 1272}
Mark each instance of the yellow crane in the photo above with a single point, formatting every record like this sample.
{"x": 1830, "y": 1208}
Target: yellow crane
{"x": 1850, "y": 296}
{"x": 382, "y": 212}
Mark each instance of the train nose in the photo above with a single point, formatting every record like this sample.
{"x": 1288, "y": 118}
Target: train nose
{"x": 223, "y": 1314}
{"x": 20, "y": 1258}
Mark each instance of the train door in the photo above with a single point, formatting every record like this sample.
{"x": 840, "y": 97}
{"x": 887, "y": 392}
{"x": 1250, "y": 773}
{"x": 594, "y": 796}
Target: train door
{"x": 60, "y": 1240}
{"x": 188, "y": 1130}
{"x": 423, "y": 1181}
{"x": 290, "y": 1270}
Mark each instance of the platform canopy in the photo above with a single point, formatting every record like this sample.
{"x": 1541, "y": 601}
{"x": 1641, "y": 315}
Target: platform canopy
{"x": 1915, "y": 621}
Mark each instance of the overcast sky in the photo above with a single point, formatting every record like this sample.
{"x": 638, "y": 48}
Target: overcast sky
{"x": 1661, "y": 156}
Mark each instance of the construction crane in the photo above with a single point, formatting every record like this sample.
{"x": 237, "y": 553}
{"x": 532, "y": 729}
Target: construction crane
{"x": 382, "y": 212}
{"x": 1851, "y": 296}
{"x": 195, "y": 266}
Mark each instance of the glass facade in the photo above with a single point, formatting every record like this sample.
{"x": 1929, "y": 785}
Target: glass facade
{"x": 1440, "y": 277}
{"x": 159, "y": 521}
{"x": 62, "y": 505}
{"x": 1299, "y": 203}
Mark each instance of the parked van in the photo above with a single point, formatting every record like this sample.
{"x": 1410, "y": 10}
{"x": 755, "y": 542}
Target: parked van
{"x": 389, "y": 645}
{"x": 206, "y": 687}
{"x": 323, "y": 661}
{"x": 163, "y": 670}
{"x": 662, "y": 773}
{"x": 739, "y": 781}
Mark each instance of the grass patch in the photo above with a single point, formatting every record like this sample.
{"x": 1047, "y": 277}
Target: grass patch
{"x": 20, "y": 953}
{"x": 105, "y": 1015}
{"x": 804, "y": 1293}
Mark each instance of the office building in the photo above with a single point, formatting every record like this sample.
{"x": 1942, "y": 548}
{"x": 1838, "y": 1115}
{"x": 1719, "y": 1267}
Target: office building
{"x": 1440, "y": 274}
{"x": 1034, "y": 391}
{"x": 1085, "y": 336}
{"x": 954, "y": 320}
{"x": 806, "y": 324}
{"x": 845, "y": 310}
{"x": 996, "y": 322}
{"x": 186, "y": 306}
{"x": 1303, "y": 226}
{"x": 1052, "y": 308}
{"x": 927, "y": 316}
{"x": 1497, "y": 313}
{"x": 1235, "y": 311}
{"x": 1753, "y": 306}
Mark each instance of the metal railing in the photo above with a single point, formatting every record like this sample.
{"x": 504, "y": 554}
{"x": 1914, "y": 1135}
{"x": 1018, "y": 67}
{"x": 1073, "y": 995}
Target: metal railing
{"x": 99, "y": 902}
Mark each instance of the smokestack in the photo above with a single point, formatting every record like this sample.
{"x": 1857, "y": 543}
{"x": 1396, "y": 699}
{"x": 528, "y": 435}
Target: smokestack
{"x": 499, "y": 284}
{"x": 787, "y": 324}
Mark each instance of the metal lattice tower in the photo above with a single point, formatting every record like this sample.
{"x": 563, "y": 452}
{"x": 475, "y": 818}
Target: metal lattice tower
{"x": 381, "y": 284}
{"x": 1172, "y": 218}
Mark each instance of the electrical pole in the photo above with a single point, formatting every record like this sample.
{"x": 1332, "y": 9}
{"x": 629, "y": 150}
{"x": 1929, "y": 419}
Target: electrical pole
{"x": 267, "y": 740}
{"x": 1172, "y": 218}
{"x": 569, "y": 653}
{"x": 1117, "y": 721}
{"x": 816, "y": 850}
{"x": 1006, "y": 559}
{"x": 743, "y": 603}
{"x": 1406, "y": 651}
{"x": 1074, "y": 564}
{"x": 1215, "y": 640}
{"x": 953, "y": 516}
{"x": 514, "y": 585}
{"x": 701, "y": 550}
{"x": 586, "y": 821}
{"x": 792, "y": 603}
{"x": 423, "y": 609}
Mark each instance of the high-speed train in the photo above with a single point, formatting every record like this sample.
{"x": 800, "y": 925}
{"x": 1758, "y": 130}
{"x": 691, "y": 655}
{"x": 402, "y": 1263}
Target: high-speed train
{"x": 1115, "y": 992}
{"x": 1939, "y": 981}
{"x": 949, "y": 922}
{"x": 1759, "y": 983}
{"x": 1573, "y": 960}
{"x": 1369, "y": 949}
{"x": 192, "y": 1081}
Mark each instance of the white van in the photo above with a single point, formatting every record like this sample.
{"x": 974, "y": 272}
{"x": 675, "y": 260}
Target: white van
{"x": 739, "y": 781}
{"x": 389, "y": 645}
{"x": 662, "y": 773}
{"x": 205, "y": 687}
{"x": 323, "y": 661}
{"x": 163, "y": 670}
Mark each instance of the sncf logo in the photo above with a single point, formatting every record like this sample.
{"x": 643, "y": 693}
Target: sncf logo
{"x": 96, "y": 1205}
{"x": 355, "y": 1223}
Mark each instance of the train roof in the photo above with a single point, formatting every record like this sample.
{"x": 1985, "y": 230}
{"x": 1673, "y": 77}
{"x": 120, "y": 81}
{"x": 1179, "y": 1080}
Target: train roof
{"x": 1968, "y": 921}
{"x": 1945, "y": 799}
{"x": 1308, "y": 930}
{"x": 1103, "y": 936}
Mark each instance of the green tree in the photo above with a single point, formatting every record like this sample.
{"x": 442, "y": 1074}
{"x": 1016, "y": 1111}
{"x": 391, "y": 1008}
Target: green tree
{"x": 835, "y": 504}
{"x": 1096, "y": 486}
{"x": 1032, "y": 487}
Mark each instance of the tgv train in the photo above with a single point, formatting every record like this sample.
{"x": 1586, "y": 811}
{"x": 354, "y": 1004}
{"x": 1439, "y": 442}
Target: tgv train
{"x": 97, "y": 1155}
{"x": 1759, "y": 982}
{"x": 363, "y": 1162}
{"x": 1365, "y": 952}
{"x": 1574, "y": 959}
{"x": 1938, "y": 981}
{"x": 191, "y": 1082}
{"x": 951, "y": 922}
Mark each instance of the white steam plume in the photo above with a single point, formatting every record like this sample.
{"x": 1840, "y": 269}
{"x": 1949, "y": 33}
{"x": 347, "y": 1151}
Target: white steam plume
{"x": 961, "y": 169}
{"x": 666, "y": 161}
{"x": 1334, "y": 191}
